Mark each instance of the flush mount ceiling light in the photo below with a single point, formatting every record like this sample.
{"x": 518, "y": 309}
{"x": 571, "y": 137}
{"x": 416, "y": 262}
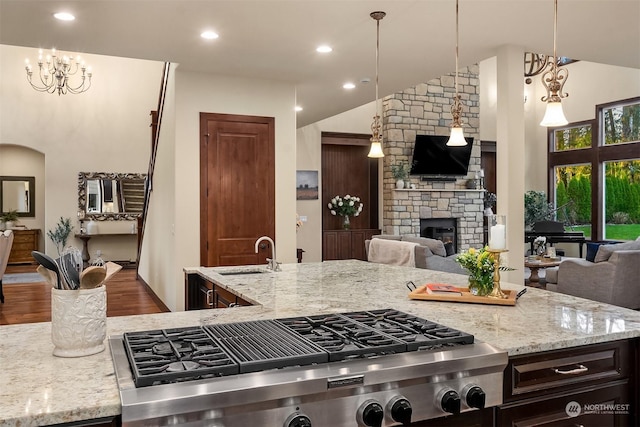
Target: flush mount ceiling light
{"x": 456, "y": 139}
{"x": 209, "y": 35}
{"x": 376, "y": 128}
{"x": 56, "y": 72}
{"x": 298, "y": 108}
{"x": 64, "y": 16}
{"x": 348, "y": 86}
{"x": 324, "y": 49}
{"x": 553, "y": 80}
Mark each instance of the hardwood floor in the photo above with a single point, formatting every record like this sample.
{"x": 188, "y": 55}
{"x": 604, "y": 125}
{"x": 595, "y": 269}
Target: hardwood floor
{"x": 31, "y": 302}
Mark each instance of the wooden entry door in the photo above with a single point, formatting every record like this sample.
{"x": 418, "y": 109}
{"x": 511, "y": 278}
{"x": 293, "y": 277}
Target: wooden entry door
{"x": 237, "y": 188}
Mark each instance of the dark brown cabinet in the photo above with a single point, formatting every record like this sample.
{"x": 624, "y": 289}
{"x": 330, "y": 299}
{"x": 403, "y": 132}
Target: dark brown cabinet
{"x": 568, "y": 387}
{"x": 345, "y": 244}
{"x": 202, "y": 294}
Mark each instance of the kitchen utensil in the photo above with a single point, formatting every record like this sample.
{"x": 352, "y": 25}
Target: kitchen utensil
{"x": 112, "y": 268}
{"x": 70, "y": 264}
{"x": 49, "y": 263}
{"x": 92, "y": 277}
{"x": 47, "y": 275}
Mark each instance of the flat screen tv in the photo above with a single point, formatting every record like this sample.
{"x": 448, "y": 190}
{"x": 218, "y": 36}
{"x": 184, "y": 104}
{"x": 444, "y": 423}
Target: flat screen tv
{"x": 432, "y": 158}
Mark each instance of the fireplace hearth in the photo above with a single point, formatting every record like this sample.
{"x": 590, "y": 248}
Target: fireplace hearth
{"x": 443, "y": 229}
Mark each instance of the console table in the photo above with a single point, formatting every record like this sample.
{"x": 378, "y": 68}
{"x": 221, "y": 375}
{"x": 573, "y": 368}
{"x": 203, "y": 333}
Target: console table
{"x": 85, "y": 237}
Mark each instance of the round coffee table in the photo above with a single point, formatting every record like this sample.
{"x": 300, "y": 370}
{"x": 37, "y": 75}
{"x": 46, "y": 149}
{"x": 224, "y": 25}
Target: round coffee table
{"x": 536, "y": 265}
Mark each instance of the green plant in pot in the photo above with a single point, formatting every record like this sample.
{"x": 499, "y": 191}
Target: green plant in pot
{"x": 9, "y": 218}
{"x": 60, "y": 234}
{"x": 536, "y": 208}
{"x": 400, "y": 172}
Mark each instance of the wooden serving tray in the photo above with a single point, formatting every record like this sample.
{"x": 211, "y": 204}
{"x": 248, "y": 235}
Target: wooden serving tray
{"x": 421, "y": 293}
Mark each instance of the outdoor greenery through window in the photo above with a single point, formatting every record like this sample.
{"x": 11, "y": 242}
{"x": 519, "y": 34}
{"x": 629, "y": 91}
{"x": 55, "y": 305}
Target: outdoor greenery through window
{"x": 621, "y": 124}
{"x": 596, "y": 187}
{"x": 573, "y": 138}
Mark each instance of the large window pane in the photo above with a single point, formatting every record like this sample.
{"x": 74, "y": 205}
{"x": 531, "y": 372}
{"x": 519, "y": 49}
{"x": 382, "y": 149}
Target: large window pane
{"x": 573, "y": 138}
{"x": 621, "y": 124}
{"x": 622, "y": 200}
{"x": 573, "y": 197}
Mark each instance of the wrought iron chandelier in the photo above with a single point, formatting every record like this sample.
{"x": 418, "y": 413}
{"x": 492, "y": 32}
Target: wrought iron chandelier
{"x": 55, "y": 72}
{"x": 553, "y": 80}
{"x": 456, "y": 139}
{"x": 376, "y": 126}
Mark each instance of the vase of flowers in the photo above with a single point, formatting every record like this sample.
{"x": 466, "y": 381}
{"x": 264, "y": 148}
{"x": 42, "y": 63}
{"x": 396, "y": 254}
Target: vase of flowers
{"x": 345, "y": 207}
{"x": 479, "y": 264}
{"x": 540, "y": 245}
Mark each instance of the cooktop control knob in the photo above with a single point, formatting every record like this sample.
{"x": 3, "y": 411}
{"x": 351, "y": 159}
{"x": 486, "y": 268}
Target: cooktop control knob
{"x": 400, "y": 410}
{"x": 370, "y": 414}
{"x": 474, "y": 396}
{"x": 297, "y": 420}
{"x": 449, "y": 401}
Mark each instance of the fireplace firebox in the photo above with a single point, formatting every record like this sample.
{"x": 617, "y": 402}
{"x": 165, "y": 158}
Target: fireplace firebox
{"x": 444, "y": 229}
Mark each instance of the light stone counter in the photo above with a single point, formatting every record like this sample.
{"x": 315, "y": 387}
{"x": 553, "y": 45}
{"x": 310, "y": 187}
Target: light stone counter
{"x": 37, "y": 388}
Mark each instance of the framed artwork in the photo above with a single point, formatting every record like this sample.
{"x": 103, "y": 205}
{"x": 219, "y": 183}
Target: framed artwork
{"x": 307, "y": 185}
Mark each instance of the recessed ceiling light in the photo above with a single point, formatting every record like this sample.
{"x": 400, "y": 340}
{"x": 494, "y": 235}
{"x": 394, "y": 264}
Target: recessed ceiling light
{"x": 324, "y": 49}
{"x": 209, "y": 35}
{"x": 298, "y": 108}
{"x": 64, "y": 16}
{"x": 348, "y": 85}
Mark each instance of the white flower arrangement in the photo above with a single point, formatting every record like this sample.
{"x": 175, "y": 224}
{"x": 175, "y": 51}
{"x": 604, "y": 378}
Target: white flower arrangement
{"x": 540, "y": 245}
{"x": 345, "y": 206}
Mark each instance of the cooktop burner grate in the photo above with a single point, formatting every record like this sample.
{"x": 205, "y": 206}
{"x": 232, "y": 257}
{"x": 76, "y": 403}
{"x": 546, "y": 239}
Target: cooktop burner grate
{"x": 173, "y": 355}
{"x": 261, "y": 345}
{"x": 344, "y": 338}
{"x": 415, "y": 332}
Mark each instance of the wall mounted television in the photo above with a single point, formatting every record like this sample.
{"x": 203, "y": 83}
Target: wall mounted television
{"x": 434, "y": 160}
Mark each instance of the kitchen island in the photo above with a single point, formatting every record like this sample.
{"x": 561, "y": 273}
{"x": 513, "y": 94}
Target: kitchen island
{"x": 40, "y": 389}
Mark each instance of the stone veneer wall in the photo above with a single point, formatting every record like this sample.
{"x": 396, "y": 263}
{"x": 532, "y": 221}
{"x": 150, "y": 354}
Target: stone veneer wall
{"x": 426, "y": 109}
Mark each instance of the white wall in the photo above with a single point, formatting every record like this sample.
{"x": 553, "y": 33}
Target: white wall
{"x": 196, "y": 93}
{"x": 309, "y": 157}
{"x": 103, "y": 130}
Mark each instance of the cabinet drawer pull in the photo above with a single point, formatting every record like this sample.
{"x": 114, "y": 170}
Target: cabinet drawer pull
{"x": 209, "y": 299}
{"x": 580, "y": 369}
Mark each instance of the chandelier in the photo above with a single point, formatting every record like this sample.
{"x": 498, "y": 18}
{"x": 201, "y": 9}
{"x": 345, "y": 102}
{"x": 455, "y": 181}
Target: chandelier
{"x": 55, "y": 72}
{"x": 553, "y": 80}
{"x": 376, "y": 127}
{"x": 456, "y": 138}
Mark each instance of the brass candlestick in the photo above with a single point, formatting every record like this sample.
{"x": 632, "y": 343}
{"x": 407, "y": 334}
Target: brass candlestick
{"x": 496, "y": 292}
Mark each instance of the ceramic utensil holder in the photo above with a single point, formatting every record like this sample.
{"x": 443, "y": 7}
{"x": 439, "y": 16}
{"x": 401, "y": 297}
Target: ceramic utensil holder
{"x": 78, "y": 321}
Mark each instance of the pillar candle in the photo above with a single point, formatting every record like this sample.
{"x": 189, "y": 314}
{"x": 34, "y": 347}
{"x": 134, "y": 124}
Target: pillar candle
{"x": 498, "y": 237}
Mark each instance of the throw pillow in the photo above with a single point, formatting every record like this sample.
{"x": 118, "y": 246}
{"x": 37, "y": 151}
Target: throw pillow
{"x": 448, "y": 247}
{"x": 436, "y": 246}
{"x": 592, "y": 250}
{"x": 605, "y": 251}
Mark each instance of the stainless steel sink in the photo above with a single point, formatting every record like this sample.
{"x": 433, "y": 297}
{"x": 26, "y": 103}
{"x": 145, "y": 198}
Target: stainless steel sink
{"x": 239, "y": 271}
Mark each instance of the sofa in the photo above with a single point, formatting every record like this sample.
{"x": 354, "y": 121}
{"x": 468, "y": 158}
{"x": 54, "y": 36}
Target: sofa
{"x": 430, "y": 254}
{"x": 612, "y": 277}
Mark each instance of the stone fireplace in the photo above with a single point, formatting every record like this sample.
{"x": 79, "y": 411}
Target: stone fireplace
{"x": 425, "y": 109}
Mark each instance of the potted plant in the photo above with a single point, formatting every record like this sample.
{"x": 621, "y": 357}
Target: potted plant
{"x": 10, "y": 218}
{"x": 400, "y": 172}
{"x": 60, "y": 234}
{"x": 536, "y": 208}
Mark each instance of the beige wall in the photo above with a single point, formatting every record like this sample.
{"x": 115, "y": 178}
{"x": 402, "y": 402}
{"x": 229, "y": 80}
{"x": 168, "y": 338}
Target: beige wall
{"x": 308, "y": 157}
{"x": 103, "y": 130}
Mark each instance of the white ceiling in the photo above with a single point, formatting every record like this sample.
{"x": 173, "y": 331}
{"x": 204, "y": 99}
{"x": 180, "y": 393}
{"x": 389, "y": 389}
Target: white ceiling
{"x": 276, "y": 39}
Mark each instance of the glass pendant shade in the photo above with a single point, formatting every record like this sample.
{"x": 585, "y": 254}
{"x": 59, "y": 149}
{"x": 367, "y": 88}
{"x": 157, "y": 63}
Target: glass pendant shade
{"x": 456, "y": 139}
{"x": 554, "y": 116}
{"x": 376, "y": 150}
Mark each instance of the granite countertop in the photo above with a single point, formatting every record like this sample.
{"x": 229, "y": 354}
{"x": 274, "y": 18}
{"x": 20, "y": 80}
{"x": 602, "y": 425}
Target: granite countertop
{"x": 38, "y": 388}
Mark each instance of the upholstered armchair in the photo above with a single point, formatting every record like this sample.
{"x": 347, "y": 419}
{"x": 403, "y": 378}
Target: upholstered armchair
{"x": 615, "y": 280}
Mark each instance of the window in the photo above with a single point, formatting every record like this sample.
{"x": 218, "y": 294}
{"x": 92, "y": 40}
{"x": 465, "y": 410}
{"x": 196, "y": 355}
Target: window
{"x": 595, "y": 176}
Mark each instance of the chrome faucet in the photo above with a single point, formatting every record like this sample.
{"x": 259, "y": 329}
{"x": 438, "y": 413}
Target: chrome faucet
{"x": 272, "y": 264}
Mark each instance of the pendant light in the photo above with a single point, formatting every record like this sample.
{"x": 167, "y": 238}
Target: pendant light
{"x": 553, "y": 81}
{"x": 376, "y": 127}
{"x": 456, "y": 139}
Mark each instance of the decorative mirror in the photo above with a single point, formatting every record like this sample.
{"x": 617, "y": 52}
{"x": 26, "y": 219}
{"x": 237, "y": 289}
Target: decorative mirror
{"x": 111, "y": 196}
{"x": 18, "y": 193}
